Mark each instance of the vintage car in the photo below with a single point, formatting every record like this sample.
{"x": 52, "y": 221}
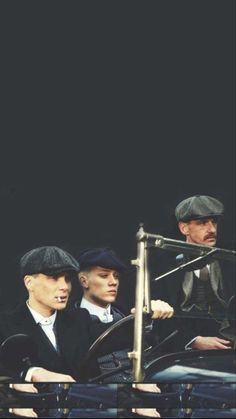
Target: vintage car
{"x": 193, "y": 383}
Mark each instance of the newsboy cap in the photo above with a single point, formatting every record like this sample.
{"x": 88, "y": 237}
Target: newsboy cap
{"x": 197, "y": 207}
{"x": 48, "y": 260}
{"x": 104, "y": 257}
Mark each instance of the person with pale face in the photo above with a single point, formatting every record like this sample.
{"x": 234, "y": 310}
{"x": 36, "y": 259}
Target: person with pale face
{"x": 202, "y": 231}
{"x": 61, "y": 338}
{"x": 100, "y": 285}
{"x": 100, "y": 274}
{"x": 48, "y": 293}
{"x": 197, "y": 218}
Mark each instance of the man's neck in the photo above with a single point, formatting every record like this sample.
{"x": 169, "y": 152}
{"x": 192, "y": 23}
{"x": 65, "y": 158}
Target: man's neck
{"x": 40, "y": 309}
{"x": 95, "y": 302}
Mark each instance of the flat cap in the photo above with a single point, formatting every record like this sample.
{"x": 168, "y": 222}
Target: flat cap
{"x": 197, "y": 207}
{"x": 104, "y": 257}
{"x": 48, "y": 260}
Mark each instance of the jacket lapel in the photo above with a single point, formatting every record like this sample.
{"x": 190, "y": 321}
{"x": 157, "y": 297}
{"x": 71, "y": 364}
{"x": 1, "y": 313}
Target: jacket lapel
{"x": 68, "y": 339}
{"x": 187, "y": 286}
{"x": 25, "y": 323}
{"x": 216, "y": 280}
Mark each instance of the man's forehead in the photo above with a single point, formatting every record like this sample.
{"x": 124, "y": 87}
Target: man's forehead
{"x": 48, "y": 276}
{"x": 204, "y": 220}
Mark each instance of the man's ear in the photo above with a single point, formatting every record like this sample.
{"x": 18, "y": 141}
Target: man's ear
{"x": 83, "y": 280}
{"x": 183, "y": 227}
{"x": 28, "y": 280}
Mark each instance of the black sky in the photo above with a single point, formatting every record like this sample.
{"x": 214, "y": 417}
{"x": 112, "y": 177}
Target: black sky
{"x": 112, "y": 112}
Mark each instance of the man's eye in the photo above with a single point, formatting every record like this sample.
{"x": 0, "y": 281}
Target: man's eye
{"x": 201, "y": 222}
{"x": 53, "y": 277}
{"x": 103, "y": 275}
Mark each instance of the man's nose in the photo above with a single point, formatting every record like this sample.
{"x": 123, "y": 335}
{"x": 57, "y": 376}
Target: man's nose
{"x": 211, "y": 227}
{"x": 113, "y": 280}
{"x": 63, "y": 283}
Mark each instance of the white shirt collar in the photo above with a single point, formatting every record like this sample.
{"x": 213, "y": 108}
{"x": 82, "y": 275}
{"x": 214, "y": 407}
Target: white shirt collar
{"x": 104, "y": 314}
{"x": 41, "y": 319}
{"x": 197, "y": 271}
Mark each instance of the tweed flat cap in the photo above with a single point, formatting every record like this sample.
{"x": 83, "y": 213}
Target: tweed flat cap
{"x": 48, "y": 260}
{"x": 197, "y": 207}
{"x": 104, "y": 257}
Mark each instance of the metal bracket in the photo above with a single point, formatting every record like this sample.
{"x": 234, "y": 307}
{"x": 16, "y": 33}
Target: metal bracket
{"x": 132, "y": 355}
{"x": 135, "y": 262}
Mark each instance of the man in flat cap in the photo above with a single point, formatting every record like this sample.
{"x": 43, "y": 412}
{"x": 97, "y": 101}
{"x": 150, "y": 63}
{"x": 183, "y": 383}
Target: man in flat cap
{"x": 61, "y": 338}
{"x": 201, "y": 296}
{"x": 100, "y": 272}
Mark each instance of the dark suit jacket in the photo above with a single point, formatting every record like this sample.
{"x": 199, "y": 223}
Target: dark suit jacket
{"x": 74, "y": 337}
{"x": 178, "y": 287}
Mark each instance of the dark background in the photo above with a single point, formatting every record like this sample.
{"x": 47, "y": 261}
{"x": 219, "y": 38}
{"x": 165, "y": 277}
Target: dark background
{"x": 111, "y": 113}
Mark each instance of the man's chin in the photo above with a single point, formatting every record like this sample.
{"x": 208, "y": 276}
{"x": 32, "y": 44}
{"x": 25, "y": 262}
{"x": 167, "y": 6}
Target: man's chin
{"x": 210, "y": 242}
{"x": 60, "y": 306}
{"x": 110, "y": 299}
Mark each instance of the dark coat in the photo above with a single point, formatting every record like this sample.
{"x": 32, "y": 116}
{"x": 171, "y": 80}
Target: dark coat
{"x": 115, "y": 349}
{"x": 74, "y": 336}
{"x": 177, "y": 289}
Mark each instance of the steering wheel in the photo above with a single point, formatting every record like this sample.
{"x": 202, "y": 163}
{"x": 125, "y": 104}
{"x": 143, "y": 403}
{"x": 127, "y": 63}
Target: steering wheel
{"x": 117, "y": 337}
{"x": 17, "y": 353}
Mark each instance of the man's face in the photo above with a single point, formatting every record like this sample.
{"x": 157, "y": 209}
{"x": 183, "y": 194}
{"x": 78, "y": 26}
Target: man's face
{"x": 202, "y": 231}
{"x": 48, "y": 293}
{"x": 100, "y": 285}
